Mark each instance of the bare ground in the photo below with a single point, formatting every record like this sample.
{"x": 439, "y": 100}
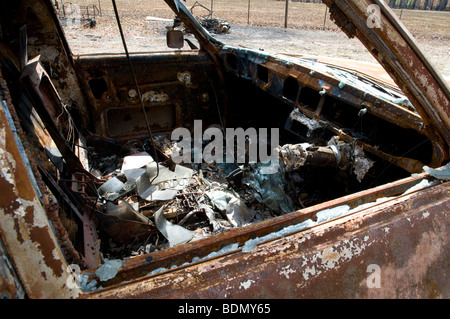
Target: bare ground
{"x": 305, "y": 34}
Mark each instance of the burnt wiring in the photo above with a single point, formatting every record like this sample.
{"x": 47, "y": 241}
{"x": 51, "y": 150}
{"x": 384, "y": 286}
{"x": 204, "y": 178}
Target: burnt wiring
{"x": 137, "y": 89}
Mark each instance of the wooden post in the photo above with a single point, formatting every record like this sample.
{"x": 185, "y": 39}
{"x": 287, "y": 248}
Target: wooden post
{"x": 99, "y": 8}
{"x": 286, "y": 14}
{"x": 248, "y": 12}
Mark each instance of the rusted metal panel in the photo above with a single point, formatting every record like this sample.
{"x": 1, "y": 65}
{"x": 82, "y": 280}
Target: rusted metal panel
{"x": 167, "y": 98}
{"x": 46, "y": 38}
{"x": 10, "y": 286}
{"x": 398, "y": 249}
{"x": 392, "y": 45}
{"x": 49, "y": 105}
{"x": 25, "y": 229}
{"x": 141, "y": 265}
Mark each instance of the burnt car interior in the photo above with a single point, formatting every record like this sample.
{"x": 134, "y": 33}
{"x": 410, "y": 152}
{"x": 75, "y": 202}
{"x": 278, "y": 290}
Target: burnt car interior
{"x": 96, "y": 130}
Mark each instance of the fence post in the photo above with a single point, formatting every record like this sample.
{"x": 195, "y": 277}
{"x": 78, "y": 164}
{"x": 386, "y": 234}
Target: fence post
{"x": 286, "y": 14}
{"x": 248, "y": 13}
{"x": 99, "y": 8}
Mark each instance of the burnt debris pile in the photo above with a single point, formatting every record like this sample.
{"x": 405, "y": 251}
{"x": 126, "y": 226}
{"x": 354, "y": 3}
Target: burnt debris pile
{"x": 144, "y": 205}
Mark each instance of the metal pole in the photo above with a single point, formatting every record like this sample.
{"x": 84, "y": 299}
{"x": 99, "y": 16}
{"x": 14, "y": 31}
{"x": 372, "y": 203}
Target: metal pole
{"x": 325, "y": 18}
{"x": 286, "y": 14}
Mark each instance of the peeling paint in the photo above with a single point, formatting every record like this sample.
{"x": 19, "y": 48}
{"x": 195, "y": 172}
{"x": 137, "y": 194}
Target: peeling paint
{"x": 287, "y": 270}
{"x": 246, "y": 284}
{"x": 310, "y": 271}
{"x": 330, "y": 258}
{"x": 25, "y": 227}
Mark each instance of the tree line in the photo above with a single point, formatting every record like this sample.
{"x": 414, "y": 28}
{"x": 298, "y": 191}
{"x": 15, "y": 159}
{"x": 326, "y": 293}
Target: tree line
{"x": 439, "y": 5}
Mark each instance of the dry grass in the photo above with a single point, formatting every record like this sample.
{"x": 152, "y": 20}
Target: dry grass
{"x": 430, "y": 28}
{"x": 422, "y": 24}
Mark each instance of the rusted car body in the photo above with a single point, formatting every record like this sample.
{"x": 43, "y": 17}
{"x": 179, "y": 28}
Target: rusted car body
{"x": 390, "y": 242}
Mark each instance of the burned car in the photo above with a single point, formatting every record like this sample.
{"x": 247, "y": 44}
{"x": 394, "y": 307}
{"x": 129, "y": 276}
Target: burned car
{"x": 141, "y": 175}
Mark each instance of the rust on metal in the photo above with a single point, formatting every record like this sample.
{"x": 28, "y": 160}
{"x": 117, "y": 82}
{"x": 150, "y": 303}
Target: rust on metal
{"x": 53, "y": 209}
{"x": 345, "y": 252}
{"x": 10, "y": 286}
{"x": 25, "y": 230}
{"x": 115, "y": 102}
{"x": 141, "y": 265}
